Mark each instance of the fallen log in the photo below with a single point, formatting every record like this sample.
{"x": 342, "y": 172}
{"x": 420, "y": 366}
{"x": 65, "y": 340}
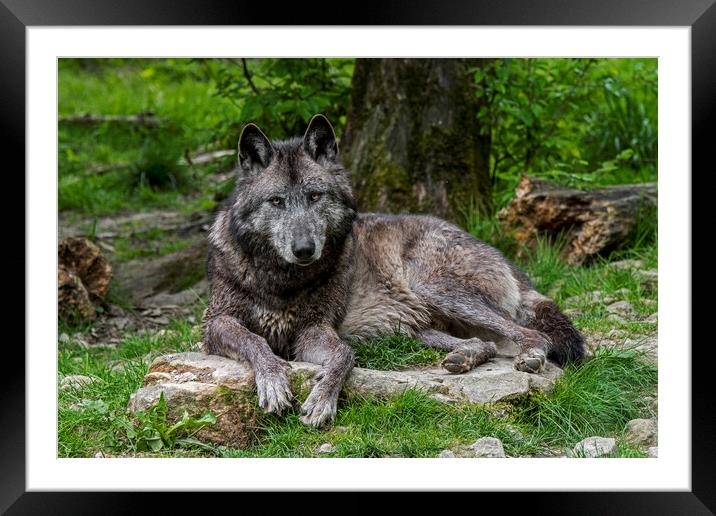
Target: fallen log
{"x": 591, "y": 222}
{"x": 147, "y": 119}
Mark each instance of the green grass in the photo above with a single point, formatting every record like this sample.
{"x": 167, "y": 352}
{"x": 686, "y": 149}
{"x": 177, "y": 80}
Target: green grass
{"x": 595, "y": 398}
{"x": 395, "y": 351}
{"x": 92, "y": 418}
{"x": 148, "y": 176}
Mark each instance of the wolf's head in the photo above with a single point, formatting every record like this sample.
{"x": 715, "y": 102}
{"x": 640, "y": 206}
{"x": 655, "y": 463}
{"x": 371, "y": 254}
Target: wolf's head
{"x": 293, "y": 199}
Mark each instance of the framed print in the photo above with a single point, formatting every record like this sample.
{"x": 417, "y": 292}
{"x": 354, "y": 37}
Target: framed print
{"x": 65, "y": 63}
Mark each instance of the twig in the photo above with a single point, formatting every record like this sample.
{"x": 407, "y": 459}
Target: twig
{"x": 248, "y": 77}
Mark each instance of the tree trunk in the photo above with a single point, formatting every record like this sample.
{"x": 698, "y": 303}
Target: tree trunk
{"x": 591, "y": 222}
{"x": 412, "y": 139}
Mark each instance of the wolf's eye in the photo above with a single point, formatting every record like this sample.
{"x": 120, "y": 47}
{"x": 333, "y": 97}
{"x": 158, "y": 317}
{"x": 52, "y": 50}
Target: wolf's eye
{"x": 314, "y": 196}
{"x": 276, "y": 201}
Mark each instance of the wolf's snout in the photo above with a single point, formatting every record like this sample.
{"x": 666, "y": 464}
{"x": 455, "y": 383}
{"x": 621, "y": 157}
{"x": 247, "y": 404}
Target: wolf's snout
{"x": 303, "y": 249}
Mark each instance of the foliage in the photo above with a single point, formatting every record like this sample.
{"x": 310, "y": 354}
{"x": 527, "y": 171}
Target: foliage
{"x": 580, "y": 122}
{"x": 281, "y": 95}
{"x": 152, "y": 432}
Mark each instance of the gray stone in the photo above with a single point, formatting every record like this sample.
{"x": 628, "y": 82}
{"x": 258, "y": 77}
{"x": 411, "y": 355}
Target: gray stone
{"x": 326, "y": 448}
{"x": 194, "y": 382}
{"x": 649, "y": 279}
{"x": 488, "y": 447}
{"x": 653, "y": 452}
{"x": 653, "y": 318}
{"x": 622, "y": 292}
{"x": 64, "y": 338}
{"x": 621, "y": 308}
{"x": 595, "y": 447}
{"x": 649, "y": 345}
{"x": 596, "y": 296}
{"x": 626, "y": 264}
{"x": 76, "y": 381}
{"x": 641, "y": 432}
{"x": 447, "y": 454}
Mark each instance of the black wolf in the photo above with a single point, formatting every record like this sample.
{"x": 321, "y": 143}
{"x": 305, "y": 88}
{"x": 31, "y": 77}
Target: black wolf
{"x": 295, "y": 273}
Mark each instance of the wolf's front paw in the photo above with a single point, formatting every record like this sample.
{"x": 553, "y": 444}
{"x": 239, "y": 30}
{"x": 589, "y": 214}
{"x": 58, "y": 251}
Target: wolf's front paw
{"x": 274, "y": 390}
{"x": 319, "y": 408}
{"x": 531, "y": 361}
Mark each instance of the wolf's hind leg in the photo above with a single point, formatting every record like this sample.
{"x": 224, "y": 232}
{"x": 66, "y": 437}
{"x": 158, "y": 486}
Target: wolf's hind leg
{"x": 465, "y": 354}
{"x": 471, "y": 310}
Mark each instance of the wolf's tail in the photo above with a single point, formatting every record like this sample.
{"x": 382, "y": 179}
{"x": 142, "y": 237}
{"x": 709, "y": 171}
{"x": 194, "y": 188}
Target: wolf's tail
{"x": 567, "y": 342}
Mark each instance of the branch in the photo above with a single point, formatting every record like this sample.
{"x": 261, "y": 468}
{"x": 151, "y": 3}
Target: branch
{"x": 248, "y": 77}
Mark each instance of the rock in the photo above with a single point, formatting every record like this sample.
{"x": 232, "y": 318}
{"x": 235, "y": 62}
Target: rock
{"x": 652, "y": 319}
{"x": 653, "y": 452}
{"x": 183, "y": 298}
{"x": 227, "y": 388}
{"x": 145, "y": 280}
{"x": 626, "y": 264}
{"x": 595, "y": 447}
{"x": 622, "y": 292}
{"x": 595, "y": 296}
{"x": 447, "y": 454}
{"x": 621, "y": 308}
{"x": 649, "y": 279}
{"x": 649, "y": 345}
{"x": 76, "y": 381}
{"x": 572, "y": 313}
{"x": 488, "y": 447}
{"x": 326, "y": 448}
{"x": 64, "y": 338}
{"x": 641, "y": 432}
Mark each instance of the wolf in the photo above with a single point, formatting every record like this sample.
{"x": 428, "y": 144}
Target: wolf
{"x": 296, "y": 273}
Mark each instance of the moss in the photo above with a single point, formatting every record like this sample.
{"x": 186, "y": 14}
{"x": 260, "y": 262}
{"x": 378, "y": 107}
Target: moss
{"x": 225, "y": 394}
{"x": 387, "y": 188}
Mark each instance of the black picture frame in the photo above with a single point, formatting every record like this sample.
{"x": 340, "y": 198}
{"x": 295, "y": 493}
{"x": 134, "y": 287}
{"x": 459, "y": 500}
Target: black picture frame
{"x": 699, "y": 15}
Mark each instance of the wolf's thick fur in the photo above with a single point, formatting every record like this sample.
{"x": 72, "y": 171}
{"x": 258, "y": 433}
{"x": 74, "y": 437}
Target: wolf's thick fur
{"x": 295, "y": 273}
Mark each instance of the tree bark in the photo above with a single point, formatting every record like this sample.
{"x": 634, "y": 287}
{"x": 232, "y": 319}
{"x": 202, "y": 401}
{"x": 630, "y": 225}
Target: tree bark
{"x": 412, "y": 139}
{"x": 591, "y": 222}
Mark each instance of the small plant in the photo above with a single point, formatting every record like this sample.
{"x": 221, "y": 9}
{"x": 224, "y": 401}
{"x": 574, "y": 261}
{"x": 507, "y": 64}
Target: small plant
{"x": 153, "y": 433}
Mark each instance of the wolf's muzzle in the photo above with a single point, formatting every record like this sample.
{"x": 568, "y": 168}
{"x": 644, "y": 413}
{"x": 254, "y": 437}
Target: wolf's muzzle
{"x": 303, "y": 249}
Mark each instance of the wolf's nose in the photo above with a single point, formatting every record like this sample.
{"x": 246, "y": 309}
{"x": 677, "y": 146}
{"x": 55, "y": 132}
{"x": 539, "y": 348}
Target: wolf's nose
{"x": 303, "y": 248}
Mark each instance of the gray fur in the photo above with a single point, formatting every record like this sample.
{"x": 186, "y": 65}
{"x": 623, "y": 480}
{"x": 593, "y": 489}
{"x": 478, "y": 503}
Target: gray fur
{"x": 369, "y": 274}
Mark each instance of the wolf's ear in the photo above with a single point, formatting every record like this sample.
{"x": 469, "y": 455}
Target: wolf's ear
{"x": 320, "y": 140}
{"x": 255, "y": 150}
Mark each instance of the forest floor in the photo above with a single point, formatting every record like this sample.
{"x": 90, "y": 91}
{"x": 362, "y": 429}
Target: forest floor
{"x": 613, "y": 302}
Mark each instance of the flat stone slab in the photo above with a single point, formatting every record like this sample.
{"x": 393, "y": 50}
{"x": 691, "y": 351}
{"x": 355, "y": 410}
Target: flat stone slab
{"x": 197, "y": 382}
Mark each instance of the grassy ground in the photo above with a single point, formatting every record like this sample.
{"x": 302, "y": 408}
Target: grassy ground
{"x": 147, "y": 174}
{"x": 595, "y": 398}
